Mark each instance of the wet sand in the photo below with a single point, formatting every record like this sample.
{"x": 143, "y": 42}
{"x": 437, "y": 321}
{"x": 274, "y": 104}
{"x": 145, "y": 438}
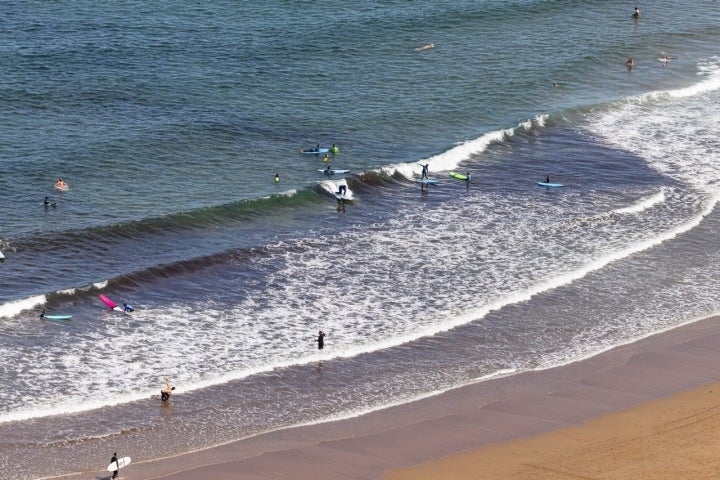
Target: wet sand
{"x": 490, "y": 430}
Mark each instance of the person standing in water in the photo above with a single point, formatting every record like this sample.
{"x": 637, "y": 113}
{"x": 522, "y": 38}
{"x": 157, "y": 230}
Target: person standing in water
{"x": 321, "y": 340}
{"x": 165, "y": 392}
{"x": 277, "y": 178}
{"x": 636, "y": 13}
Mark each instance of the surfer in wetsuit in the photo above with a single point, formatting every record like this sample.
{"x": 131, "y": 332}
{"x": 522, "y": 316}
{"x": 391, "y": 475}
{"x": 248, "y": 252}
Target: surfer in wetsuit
{"x": 165, "y": 392}
{"x": 547, "y": 179}
{"x": 114, "y": 460}
{"x": 43, "y": 313}
{"x": 321, "y": 340}
{"x": 425, "y": 171}
{"x": 342, "y": 189}
{"x": 128, "y": 308}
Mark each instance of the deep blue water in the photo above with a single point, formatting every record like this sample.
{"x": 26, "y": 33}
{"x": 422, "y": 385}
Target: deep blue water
{"x": 169, "y": 123}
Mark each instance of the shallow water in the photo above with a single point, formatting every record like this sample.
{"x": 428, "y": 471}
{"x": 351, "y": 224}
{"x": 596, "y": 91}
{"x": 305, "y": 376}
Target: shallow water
{"x": 169, "y": 127}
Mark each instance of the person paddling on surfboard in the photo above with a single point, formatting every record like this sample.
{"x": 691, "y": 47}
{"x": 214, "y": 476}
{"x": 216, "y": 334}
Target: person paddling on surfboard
{"x": 165, "y": 392}
{"x": 128, "y": 308}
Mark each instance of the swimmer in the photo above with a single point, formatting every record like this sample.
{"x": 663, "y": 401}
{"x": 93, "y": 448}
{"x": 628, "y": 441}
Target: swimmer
{"x": 165, "y": 392}
{"x": 61, "y": 184}
{"x": 277, "y": 178}
{"x": 630, "y": 63}
{"x": 636, "y": 13}
{"x": 427, "y": 46}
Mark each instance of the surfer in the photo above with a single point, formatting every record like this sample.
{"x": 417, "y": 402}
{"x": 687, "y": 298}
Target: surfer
{"x": 277, "y": 178}
{"x": 335, "y": 149}
{"x": 165, "y": 392}
{"x": 636, "y": 13}
{"x": 321, "y": 340}
{"x": 326, "y": 158}
{"x": 425, "y": 171}
{"x": 114, "y": 460}
{"x": 547, "y": 179}
{"x": 48, "y": 203}
{"x": 43, "y": 313}
{"x": 328, "y": 170}
{"x": 427, "y": 46}
{"x": 342, "y": 189}
{"x": 128, "y": 308}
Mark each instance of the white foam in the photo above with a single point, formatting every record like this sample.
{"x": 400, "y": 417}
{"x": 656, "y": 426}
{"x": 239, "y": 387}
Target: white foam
{"x": 16, "y": 307}
{"x": 642, "y": 204}
{"x": 452, "y": 158}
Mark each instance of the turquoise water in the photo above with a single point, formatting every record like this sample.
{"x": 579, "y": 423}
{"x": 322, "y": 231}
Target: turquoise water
{"x": 169, "y": 124}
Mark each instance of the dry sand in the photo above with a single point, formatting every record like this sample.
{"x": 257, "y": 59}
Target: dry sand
{"x": 499, "y": 429}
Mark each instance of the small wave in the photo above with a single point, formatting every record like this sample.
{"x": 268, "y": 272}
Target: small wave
{"x": 452, "y": 158}
{"x": 642, "y": 204}
{"x": 10, "y": 309}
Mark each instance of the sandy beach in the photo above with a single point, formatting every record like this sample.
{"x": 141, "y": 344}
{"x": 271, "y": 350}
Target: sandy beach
{"x": 644, "y": 410}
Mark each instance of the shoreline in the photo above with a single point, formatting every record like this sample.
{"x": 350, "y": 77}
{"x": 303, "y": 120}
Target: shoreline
{"x": 467, "y": 418}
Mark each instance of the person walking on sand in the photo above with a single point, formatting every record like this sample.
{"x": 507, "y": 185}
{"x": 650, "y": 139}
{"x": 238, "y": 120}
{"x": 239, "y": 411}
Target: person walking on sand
{"x": 321, "y": 340}
{"x": 114, "y": 460}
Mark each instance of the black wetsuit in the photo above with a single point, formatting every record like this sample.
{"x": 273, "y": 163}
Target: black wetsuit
{"x": 114, "y": 459}
{"x": 321, "y": 341}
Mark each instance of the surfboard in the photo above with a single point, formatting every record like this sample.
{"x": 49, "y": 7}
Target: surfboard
{"x": 110, "y": 303}
{"x": 460, "y": 176}
{"x": 426, "y": 180}
{"x": 2, "y": 257}
{"x": 58, "y": 317}
{"x": 332, "y": 171}
{"x": 343, "y": 198}
{"x": 315, "y": 150}
{"x": 545, "y": 184}
{"x": 121, "y": 462}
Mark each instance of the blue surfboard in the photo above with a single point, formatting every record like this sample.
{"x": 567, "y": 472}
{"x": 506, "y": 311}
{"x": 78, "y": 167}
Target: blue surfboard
{"x": 332, "y": 171}
{"x": 426, "y": 181}
{"x": 552, "y": 185}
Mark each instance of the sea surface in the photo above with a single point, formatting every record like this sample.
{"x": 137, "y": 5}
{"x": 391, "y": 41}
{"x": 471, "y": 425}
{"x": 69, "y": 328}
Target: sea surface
{"x": 169, "y": 121}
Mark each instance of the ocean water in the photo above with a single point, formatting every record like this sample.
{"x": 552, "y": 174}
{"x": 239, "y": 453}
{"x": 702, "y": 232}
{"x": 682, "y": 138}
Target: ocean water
{"x": 169, "y": 124}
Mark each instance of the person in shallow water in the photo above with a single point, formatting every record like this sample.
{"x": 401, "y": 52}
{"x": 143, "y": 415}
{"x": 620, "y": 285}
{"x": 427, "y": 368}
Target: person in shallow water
{"x": 321, "y": 340}
{"x": 165, "y": 392}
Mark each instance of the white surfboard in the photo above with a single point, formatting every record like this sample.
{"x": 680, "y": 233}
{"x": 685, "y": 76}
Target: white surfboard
{"x": 122, "y": 462}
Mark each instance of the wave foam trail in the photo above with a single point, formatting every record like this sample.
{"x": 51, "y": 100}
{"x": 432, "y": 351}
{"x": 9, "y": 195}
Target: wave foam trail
{"x": 642, "y": 204}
